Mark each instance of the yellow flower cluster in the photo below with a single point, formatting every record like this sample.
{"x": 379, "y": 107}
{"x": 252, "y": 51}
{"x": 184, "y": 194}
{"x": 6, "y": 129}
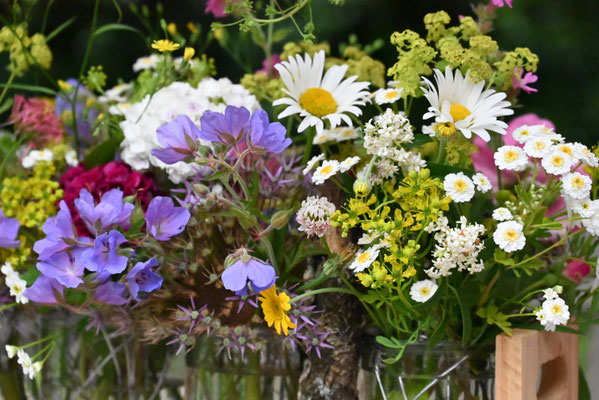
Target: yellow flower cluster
{"x": 262, "y": 86}
{"x": 18, "y": 256}
{"x": 24, "y": 51}
{"x": 31, "y": 200}
{"x": 521, "y": 57}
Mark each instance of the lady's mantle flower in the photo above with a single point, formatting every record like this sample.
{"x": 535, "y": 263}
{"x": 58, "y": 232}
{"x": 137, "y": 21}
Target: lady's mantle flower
{"x": 266, "y": 136}
{"x": 103, "y": 257}
{"x": 462, "y": 105}
{"x": 576, "y": 185}
{"x": 163, "y": 45}
{"x": 422, "y": 291}
{"x": 164, "y": 220}
{"x": 502, "y": 214}
{"x": 325, "y": 171}
{"x": 66, "y": 267}
{"x": 512, "y": 158}
{"x": 314, "y": 216}
{"x": 261, "y": 275}
{"x": 459, "y": 187}
{"x": 521, "y": 82}
{"x": 109, "y": 211}
{"x": 509, "y": 237}
{"x": 316, "y": 98}
{"x": 9, "y": 227}
{"x": 179, "y": 139}
{"x": 141, "y": 278}
{"x": 275, "y": 307}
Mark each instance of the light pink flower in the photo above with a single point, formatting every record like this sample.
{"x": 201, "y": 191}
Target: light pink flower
{"x": 500, "y": 3}
{"x": 274, "y": 60}
{"x": 576, "y": 270}
{"x": 521, "y": 82}
{"x": 216, "y": 8}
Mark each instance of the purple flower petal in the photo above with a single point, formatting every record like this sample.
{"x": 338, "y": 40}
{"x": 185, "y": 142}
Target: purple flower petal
{"x": 179, "y": 139}
{"x": 142, "y": 278}
{"x": 42, "y": 290}
{"x": 235, "y": 277}
{"x": 164, "y": 220}
{"x": 9, "y": 227}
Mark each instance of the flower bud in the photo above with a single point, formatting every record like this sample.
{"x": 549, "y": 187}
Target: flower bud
{"x": 281, "y": 218}
{"x": 362, "y": 187}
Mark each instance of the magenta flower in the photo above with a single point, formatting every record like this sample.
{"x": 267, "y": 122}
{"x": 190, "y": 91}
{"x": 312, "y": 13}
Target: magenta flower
{"x": 66, "y": 267}
{"x": 110, "y": 211}
{"x": 228, "y": 128}
{"x": 42, "y": 290}
{"x": 500, "y": 3}
{"x": 9, "y": 227}
{"x": 179, "y": 139}
{"x": 164, "y": 220}
{"x": 141, "y": 278}
{"x": 103, "y": 257}
{"x": 274, "y": 60}
{"x": 216, "y": 8}
{"x": 520, "y": 82}
{"x": 261, "y": 275}
{"x": 265, "y": 136}
{"x": 576, "y": 270}
{"x": 111, "y": 293}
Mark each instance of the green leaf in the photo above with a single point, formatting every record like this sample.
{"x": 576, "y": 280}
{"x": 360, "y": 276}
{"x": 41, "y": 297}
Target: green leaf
{"x": 117, "y": 27}
{"x": 466, "y": 317}
{"x": 419, "y": 140}
{"x": 30, "y": 88}
{"x": 584, "y": 393}
{"x": 59, "y": 29}
{"x": 103, "y": 153}
{"x": 388, "y": 342}
{"x": 501, "y": 258}
{"x": 7, "y": 104}
{"x": 441, "y": 170}
{"x": 280, "y": 34}
{"x": 30, "y": 276}
{"x": 217, "y": 175}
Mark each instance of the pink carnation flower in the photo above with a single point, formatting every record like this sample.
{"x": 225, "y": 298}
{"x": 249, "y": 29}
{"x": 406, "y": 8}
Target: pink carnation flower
{"x": 36, "y": 116}
{"x": 576, "y": 270}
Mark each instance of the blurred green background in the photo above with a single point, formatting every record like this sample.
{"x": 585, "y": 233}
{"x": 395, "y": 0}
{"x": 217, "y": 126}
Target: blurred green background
{"x": 562, "y": 33}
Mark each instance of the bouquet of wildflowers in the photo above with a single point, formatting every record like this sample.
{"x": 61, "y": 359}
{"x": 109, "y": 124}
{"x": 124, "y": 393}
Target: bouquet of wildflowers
{"x": 178, "y": 206}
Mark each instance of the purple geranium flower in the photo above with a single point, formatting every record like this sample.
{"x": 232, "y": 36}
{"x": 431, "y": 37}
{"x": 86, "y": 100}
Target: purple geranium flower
{"x": 66, "y": 267}
{"x": 228, "y": 128}
{"x": 111, "y": 293}
{"x": 142, "y": 278}
{"x": 110, "y": 211}
{"x": 103, "y": 257}
{"x": 60, "y": 234}
{"x": 9, "y": 227}
{"x": 42, "y": 290}
{"x": 179, "y": 139}
{"x": 261, "y": 275}
{"x": 266, "y": 136}
{"x": 164, "y": 220}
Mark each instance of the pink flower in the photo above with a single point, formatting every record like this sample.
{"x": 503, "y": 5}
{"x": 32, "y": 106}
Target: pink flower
{"x": 576, "y": 270}
{"x": 500, "y": 3}
{"x": 36, "y": 116}
{"x": 274, "y": 60}
{"x": 216, "y": 8}
{"x": 520, "y": 82}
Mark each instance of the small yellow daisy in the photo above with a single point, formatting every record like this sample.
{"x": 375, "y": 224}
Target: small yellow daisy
{"x": 163, "y": 45}
{"x": 274, "y": 307}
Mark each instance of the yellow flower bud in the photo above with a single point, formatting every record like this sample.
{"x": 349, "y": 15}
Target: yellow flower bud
{"x": 188, "y": 53}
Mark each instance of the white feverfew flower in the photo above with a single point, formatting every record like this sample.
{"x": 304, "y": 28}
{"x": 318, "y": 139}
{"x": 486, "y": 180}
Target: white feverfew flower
{"x": 323, "y": 137}
{"x": 459, "y": 187}
{"x": 592, "y": 224}
{"x": 511, "y": 158}
{"x": 348, "y": 163}
{"x": 316, "y": 97}
{"x": 557, "y": 162}
{"x": 556, "y": 311}
{"x": 387, "y": 96}
{"x": 586, "y": 208}
{"x": 143, "y": 63}
{"x": 542, "y": 318}
{"x": 502, "y": 214}
{"x": 70, "y": 157}
{"x": 368, "y": 237}
{"x": 364, "y": 259}
{"x": 422, "y": 291}
{"x": 509, "y": 236}
{"x": 549, "y": 133}
{"x": 465, "y": 105}
{"x": 576, "y": 185}
{"x": 35, "y": 156}
{"x": 17, "y": 287}
{"x": 312, "y": 163}
{"x": 568, "y": 149}
{"x": 483, "y": 184}
{"x": 343, "y": 133}
{"x": 314, "y": 216}
{"x": 117, "y": 94}
{"x": 550, "y": 294}
{"x": 327, "y": 169}
{"x": 538, "y": 147}
{"x": 523, "y": 133}
{"x": 7, "y": 269}
{"x": 583, "y": 153}
{"x": 26, "y": 364}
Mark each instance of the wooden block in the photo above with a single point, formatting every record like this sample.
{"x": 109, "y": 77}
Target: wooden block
{"x": 536, "y": 365}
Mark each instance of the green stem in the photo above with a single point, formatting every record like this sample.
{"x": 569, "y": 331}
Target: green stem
{"x": 319, "y": 291}
{"x": 5, "y": 90}
{"x": 559, "y": 243}
{"x": 308, "y": 150}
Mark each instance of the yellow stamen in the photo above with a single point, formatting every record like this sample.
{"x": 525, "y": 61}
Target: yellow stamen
{"x": 510, "y": 156}
{"x": 460, "y": 186}
{"x": 511, "y": 235}
{"x": 459, "y": 112}
{"x": 364, "y": 257}
{"x": 391, "y": 94}
{"x": 326, "y": 170}
{"x": 318, "y": 102}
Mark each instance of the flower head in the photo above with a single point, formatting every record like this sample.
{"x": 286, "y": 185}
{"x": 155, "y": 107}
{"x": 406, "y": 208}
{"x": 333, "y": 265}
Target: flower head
{"x": 314, "y": 216}
{"x": 60, "y": 233}
{"x": 459, "y": 187}
{"x": 103, "y": 257}
{"x": 502, "y": 214}
{"x": 42, "y": 290}
{"x": 275, "y": 307}
{"x": 509, "y": 237}
{"x": 25, "y": 362}
{"x": 179, "y": 139}
{"x": 163, "y": 45}
{"x": 164, "y": 220}
{"x": 422, "y": 291}
{"x": 260, "y": 274}
{"x": 521, "y": 82}
{"x": 312, "y": 163}
{"x": 111, "y": 293}
{"x": 35, "y": 156}
{"x": 365, "y": 258}
{"x": 512, "y": 158}
{"x": 265, "y": 136}
{"x": 9, "y": 227}
{"x": 576, "y": 185}
{"x": 576, "y": 270}
{"x": 66, "y": 267}
{"x": 36, "y": 116}
{"x": 325, "y": 171}
{"x": 482, "y": 182}
{"x": 538, "y": 147}
{"x": 557, "y": 162}
{"x": 108, "y": 212}
{"x": 149, "y": 62}
{"x": 230, "y": 127}
{"x": 17, "y": 287}
{"x": 387, "y": 96}
{"x": 141, "y": 278}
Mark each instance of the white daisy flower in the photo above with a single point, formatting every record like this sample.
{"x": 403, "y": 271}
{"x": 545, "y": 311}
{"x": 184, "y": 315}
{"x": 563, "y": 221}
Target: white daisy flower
{"x": 70, "y": 157}
{"x": 35, "y": 156}
{"x": 459, "y": 187}
{"x": 25, "y": 361}
{"x": 502, "y": 214}
{"x": 149, "y": 62}
{"x": 583, "y": 153}
{"x": 511, "y": 158}
{"x": 509, "y": 237}
{"x": 483, "y": 184}
{"x": 349, "y": 162}
{"x": 524, "y": 133}
{"x": 586, "y": 208}
{"x": 557, "y": 162}
{"x": 364, "y": 259}
{"x": 312, "y": 163}
{"x": 343, "y": 133}
{"x": 463, "y": 106}
{"x": 387, "y": 96}
{"x": 576, "y": 185}
{"x": 325, "y": 171}
{"x": 11, "y": 351}
{"x": 316, "y": 97}
{"x": 17, "y": 287}
{"x": 538, "y": 147}
{"x": 422, "y": 291}
{"x": 556, "y": 311}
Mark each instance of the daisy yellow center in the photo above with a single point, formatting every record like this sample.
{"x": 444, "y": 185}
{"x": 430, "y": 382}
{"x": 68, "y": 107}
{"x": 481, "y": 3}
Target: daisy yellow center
{"x": 565, "y": 149}
{"x": 557, "y": 161}
{"x": 524, "y": 133}
{"x": 510, "y": 156}
{"x": 425, "y": 291}
{"x": 540, "y": 145}
{"x": 318, "y": 102}
{"x": 458, "y": 112}
{"x": 391, "y": 94}
{"x": 326, "y": 170}
{"x": 577, "y": 182}
{"x": 511, "y": 235}
{"x": 460, "y": 186}
{"x": 445, "y": 129}
{"x": 364, "y": 257}
{"x": 556, "y": 309}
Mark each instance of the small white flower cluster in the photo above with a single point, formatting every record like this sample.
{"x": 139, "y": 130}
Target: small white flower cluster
{"x": 461, "y": 188}
{"x": 314, "y": 216}
{"x": 328, "y": 168}
{"x": 422, "y": 291}
{"x": 338, "y": 134}
{"x": 382, "y": 170}
{"x": 554, "y": 311}
{"x": 508, "y": 235}
{"x": 144, "y": 117}
{"x": 35, "y": 156}
{"x": 30, "y": 368}
{"x": 502, "y": 214}
{"x": 15, "y": 284}
{"x": 384, "y": 136}
{"x": 456, "y": 247}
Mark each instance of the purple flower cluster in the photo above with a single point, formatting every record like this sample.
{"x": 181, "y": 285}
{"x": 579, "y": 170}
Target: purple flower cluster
{"x": 63, "y": 256}
{"x": 9, "y": 227}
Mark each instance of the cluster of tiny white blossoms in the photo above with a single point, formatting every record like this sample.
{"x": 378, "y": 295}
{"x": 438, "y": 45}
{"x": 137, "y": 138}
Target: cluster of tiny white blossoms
{"x": 365, "y": 258}
{"x": 15, "y": 284}
{"x": 381, "y": 170}
{"x": 35, "y": 156}
{"x": 456, "y": 247}
{"x": 338, "y": 134}
{"x": 328, "y": 168}
{"x": 461, "y": 188}
{"x": 385, "y": 135}
{"x": 30, "y": 368}
{"x": 554, "y": 311}
{"x": 422, "y": 291}
{"x": 314, "y": 216}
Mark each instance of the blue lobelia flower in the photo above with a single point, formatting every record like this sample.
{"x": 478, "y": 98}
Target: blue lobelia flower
{"x": 103, "y": 257}
{"x": 179, "y": 139}
{"x": 66, "y": 267}
{"x": 228, "y": 128}
{"x": 164, "y": 220}
{"x": 265, "y": 136}
{"x": 60, "y": 234}
{"x": 9, "y": 227}
{"x": 110, "y": 211}
{"x": 111, "y": 293}
{"x": 141, "y": 278}
{"x": 261, "y": 275}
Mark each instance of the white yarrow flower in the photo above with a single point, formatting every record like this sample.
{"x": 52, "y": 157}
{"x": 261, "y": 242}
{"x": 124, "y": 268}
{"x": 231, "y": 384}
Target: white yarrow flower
{"x": 327, "y": 169}
{"x": 511, "y": 158}
{"x": 502, "y": 214}
{"x": 422, "y": 291}
{"x": 459, "y": 187}
{"x": 483, "y": 184}
{"x": 576, "y": 185}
